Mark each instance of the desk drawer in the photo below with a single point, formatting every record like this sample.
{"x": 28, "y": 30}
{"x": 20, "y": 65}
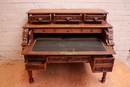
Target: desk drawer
{"x": 68, "y": 30}
{"x": 102, "y": 63}
{"x": 102, "y": 69}
{"x": 67, "y": 18}
{"x": 67, "y": 59}
{"x": 35, "y": 57}
{"x": 94, "y": 18}
{"x": 36, "y": 65}
{"x": 91, "y": 30}
{"x": 39, "y": 18}
{"x": 43, "y": 30}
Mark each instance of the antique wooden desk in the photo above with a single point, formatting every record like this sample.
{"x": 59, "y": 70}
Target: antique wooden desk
{"x": 68, "y": 36}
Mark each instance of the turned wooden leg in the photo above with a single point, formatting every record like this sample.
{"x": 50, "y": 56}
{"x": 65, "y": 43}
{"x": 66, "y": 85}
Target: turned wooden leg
{"x": 104, "y": 77}
{"x": 30, "y": 76}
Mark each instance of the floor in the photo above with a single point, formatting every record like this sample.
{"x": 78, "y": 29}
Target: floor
{"x": 13, "y": 74}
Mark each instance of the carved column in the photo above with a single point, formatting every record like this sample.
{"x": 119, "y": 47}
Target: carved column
{"x": 110, "y": 36}
{"x": 25, "y": 38}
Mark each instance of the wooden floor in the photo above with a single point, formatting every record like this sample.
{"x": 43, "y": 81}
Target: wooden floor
{"x": 13, "y": 74}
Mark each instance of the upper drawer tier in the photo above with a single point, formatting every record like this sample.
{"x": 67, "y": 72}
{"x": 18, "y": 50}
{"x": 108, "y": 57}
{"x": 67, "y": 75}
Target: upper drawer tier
{"x": 95, "y": 30}
{"x": 39, "y": 18}
{"x": 67, "y": 17}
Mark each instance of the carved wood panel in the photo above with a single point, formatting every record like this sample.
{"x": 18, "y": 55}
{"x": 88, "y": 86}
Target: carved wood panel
{"x": 94, "y": 18}
{"x": 25, "y": 37}
{"x": 35, "y": 67}
{"x": 39, "y": 18}
{"x": 68, "y": 59}
{"x": 67, "y": 18}
{"x": 35, "y": 57}
{"x": 103, "y": 69}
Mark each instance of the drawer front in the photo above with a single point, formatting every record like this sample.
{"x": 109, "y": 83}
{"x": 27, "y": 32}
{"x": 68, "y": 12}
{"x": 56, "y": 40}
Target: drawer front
{"x": 36, "y": 65}
{"x": 67, "y": 59}
{"x": 39, "y": 18}
{"x": 35, "y": 57}
{"x": 43, "y": 30}
{"x": 102, "y": 69}
{"x": 102, "y": 63}
{"x": 91, "y": 30}
{"x": 94, "y": 18}
{"x": 68, "y": 30}
{"x": 103, "y": 60}
{"x": 67, "y": 18}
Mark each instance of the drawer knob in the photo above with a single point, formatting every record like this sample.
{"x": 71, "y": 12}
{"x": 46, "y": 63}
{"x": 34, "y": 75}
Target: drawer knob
{"x": 67, "y": 30}
{"x": 40, "y": 19}
{"x": 68, "y": 18}
{"x": 95, "y": 18}
{"x": 68, "y": 59}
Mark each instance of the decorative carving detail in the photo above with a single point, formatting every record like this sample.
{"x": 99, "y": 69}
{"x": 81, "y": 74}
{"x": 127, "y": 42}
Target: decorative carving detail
{"x": 35, "y": 67}
{"x": 95, "y": 18}
{"x": 25, "y": 38}
{"x": 102, "y": 69}
{"x": 104, "y": 61}
{"x": 34, "y": 57}
{"x": 110, "y": 36}
{"x": 67, "y": 18}
{"x": 71, "y": 58}
{"x": 39, "y": 18}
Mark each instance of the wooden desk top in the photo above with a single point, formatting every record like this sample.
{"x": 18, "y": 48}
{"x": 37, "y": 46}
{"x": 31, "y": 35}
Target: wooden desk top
{"x": 38, "y": 11}
{"x": 82, "y": 25}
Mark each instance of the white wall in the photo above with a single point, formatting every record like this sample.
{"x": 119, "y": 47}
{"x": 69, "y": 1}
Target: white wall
{"x": 13, "y": 16}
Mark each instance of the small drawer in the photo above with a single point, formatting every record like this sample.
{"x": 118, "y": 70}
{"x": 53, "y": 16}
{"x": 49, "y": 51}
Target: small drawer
{"x": 67, "y": 17}
{"x": 99, "y": 60}
{"x": 102, "y": 69}
{"x": 68, "y": 30}
{"x": 36, "y": 65}
{"x": 34, "y": 57}
{"x": 102, "y": 63}
{"x": 43, "y": 30}
{"x": 94, "y": 18}
{"x": 67, "y": 59}
{"x": 36, "y": 18}
{"x": 92, "y": 30}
